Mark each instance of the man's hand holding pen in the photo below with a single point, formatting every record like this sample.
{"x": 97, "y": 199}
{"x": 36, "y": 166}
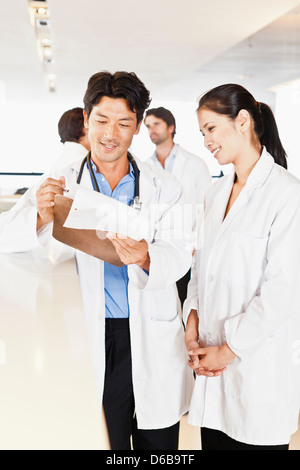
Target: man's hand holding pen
{"x": 45, "y": 199}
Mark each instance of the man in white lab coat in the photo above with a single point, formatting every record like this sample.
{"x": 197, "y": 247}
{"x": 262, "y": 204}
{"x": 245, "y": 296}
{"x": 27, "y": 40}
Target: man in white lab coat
{"x": 132, "y": 312}
{"x": 74, "y": 137}
{"x": 189, "y": 169}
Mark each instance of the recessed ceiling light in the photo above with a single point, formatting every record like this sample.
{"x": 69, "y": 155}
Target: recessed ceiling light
{"x": 42, "y": 11}
{"x": 291, "y": 84}
{"x": 245, "y": 76}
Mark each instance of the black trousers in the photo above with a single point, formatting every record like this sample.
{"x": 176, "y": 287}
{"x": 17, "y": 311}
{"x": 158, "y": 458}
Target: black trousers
{"x": 217, "y": 440}
{"x": 118, "y": 398}
{"x": 182, "y": 285}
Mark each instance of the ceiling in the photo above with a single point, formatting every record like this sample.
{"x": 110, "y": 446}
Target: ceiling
{"x": 261, "y": 62}
{"x": 179, "y": 49}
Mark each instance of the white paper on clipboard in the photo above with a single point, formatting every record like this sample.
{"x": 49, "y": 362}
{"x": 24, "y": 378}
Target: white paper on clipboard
{"x": 95, "y": 211}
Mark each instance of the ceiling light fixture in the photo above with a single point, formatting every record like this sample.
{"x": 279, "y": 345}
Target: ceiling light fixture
{"x": 245, "y": 76}
{"x": 42, "y": 11}
{"x": 40, "y": 19}
{"x": 295, "y": 84}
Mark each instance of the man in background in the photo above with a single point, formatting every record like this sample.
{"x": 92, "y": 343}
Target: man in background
{"x": 188, "y": 168}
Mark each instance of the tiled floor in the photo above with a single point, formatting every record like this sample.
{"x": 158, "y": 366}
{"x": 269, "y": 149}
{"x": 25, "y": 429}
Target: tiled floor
{"x": 190, "y": 437}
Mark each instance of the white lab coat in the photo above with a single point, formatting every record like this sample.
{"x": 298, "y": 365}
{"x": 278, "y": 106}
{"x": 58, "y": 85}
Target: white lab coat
{"x": 192, "y": 172}
{"x": 72, "y": 152}
{"x": 245, "y": 287}
{"x": 162, "y": 382}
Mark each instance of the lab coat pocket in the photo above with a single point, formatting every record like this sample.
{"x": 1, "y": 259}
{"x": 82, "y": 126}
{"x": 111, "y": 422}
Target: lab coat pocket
{"x": 168, "y": 347}
{"x": 245, "y": 259}
{"x": 163, "y": 306}
{"x": 253, "y": 379}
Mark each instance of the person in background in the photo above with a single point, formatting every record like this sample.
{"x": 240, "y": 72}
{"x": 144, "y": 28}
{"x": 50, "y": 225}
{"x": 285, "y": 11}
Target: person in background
{"x": 74, "y": 138}
{"x": 189, "y": 169}
{"x": 242, "y": 309}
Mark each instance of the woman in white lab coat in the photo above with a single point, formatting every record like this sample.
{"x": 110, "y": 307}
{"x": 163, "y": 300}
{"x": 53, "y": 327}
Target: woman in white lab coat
{"x": 242, "y": 310}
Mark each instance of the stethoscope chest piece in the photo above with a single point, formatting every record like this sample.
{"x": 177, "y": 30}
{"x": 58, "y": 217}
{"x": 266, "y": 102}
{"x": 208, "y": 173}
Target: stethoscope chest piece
{"x": 136, "y": 203}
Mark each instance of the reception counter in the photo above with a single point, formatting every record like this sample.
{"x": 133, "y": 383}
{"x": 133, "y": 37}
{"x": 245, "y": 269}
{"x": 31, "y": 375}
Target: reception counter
{"x": 48, "y": 396}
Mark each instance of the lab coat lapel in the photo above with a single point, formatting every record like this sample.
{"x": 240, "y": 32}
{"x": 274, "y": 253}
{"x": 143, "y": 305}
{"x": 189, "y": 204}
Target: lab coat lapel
{"x": 149, "y": 195}
{"x": 148, "y": 188}
{"x": 214, "y": 219}
{"x": 179, "y": 162}
{"x": 86, "y": 177}
{"x": 256, "y": 178}
{"x": 238, "y": 205}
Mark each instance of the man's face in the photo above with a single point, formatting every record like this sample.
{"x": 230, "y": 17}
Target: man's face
{"x": 111, "y": 127}
{"x": 159, "y": 131}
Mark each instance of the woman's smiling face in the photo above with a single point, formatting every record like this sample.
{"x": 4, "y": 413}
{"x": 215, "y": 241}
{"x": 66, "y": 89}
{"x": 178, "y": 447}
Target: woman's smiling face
{"x": 221, "y": 135}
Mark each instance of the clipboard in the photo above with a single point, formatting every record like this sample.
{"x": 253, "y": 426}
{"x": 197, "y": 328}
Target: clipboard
{"x": 92, "y": 242}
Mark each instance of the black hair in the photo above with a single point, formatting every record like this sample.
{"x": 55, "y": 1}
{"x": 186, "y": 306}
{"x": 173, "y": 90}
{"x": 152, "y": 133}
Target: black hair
{"x": 118, "y": 85}
{"x": 165, "y": 115}
{"x": 229, "y": 99}
{"x": 71, "y": 125}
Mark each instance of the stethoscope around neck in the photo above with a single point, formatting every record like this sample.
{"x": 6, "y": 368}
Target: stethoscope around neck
{"x": 136, "y": 203}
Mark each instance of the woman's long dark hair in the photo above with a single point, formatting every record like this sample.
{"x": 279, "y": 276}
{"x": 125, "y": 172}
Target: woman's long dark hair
{"x": 229, "y": 99}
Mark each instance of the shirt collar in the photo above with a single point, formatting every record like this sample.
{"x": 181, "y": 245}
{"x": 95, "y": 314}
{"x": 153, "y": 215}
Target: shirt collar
{"x": 172, "y": 154}
{"x": 131, "y": 170}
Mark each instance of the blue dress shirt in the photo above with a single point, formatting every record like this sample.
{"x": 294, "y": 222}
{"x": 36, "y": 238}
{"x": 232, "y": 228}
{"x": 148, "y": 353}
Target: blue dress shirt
{"x": 169, "y": 161}
{"x": 115, "y": 277}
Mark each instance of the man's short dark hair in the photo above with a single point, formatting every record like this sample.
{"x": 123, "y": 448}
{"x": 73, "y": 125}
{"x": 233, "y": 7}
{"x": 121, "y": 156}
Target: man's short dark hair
{"x": 118, "y": 85}
{"x": 165, "y": 115}
{"x": 71, "y": 125}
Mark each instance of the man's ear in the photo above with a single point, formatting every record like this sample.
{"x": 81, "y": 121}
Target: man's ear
{"x": 86, "y": 121}
{"x": 171, "y": 129}
{"x": 138, "y": 128}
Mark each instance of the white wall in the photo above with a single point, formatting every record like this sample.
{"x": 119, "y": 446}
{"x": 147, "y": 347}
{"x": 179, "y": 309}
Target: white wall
{"x": 287, "y": 114}
{"x": 29, "y": 138}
